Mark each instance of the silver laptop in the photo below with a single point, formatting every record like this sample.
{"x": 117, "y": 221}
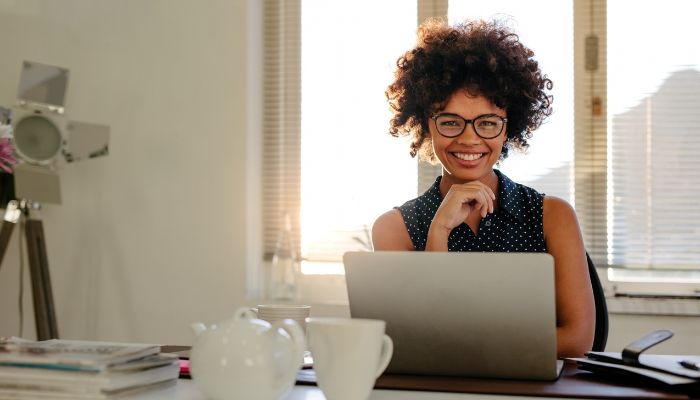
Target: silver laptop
{"x": 460, "y": 313}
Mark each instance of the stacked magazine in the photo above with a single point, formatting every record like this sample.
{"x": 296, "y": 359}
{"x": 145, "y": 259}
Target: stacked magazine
{"x": 70, "y": 369}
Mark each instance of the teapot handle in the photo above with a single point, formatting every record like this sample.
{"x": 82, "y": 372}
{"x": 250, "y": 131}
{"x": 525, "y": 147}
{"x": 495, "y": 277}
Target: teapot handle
{"x": 299, "y": 341}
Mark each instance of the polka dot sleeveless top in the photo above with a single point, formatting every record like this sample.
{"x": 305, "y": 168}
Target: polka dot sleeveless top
{"x": 515, "y": 227}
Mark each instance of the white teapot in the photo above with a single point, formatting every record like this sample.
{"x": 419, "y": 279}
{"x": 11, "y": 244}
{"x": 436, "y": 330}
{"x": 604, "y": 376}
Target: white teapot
{"x": 246, "y": 358}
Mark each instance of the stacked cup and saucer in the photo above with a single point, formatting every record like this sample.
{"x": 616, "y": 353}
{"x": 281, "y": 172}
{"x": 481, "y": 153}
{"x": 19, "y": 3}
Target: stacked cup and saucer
{"x": 278, "y": 312}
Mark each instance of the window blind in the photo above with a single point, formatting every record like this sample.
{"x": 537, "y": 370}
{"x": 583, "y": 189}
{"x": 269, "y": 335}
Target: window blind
{"x": 281, "y": 125}
{"x": 653, "y": 102}
{"x": 590, "y": 126}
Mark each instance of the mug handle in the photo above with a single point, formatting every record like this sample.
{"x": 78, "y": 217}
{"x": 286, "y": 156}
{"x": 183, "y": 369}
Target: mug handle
{"x": 299, "y": 341}
{"x": 385, "y": 356}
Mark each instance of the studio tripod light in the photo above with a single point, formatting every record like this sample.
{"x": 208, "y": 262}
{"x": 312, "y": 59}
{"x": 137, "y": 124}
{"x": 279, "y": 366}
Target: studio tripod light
{"x": 17, "y": 212}
{"x": 44, "y": 138}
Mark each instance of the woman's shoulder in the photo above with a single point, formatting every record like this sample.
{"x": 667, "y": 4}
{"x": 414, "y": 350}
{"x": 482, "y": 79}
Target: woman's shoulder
{"x": 405, "y": 227}
{"x": 391, "y": 218}
{"x": 559, "y": 218}
{"x": 389, "y": 232}
{"x": 555, "y": 207}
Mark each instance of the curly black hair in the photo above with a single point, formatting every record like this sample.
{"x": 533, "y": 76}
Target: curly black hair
{"x": 482, "y": 57}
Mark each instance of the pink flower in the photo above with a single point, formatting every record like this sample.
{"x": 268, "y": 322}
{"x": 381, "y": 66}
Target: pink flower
{"x": 7, "y": 155}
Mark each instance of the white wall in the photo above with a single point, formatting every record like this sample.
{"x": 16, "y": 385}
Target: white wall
{"x": 152, "y": 237}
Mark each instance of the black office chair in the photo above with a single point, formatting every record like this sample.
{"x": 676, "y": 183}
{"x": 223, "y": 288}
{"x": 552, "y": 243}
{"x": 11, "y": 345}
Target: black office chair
{"x": 601, "y": 308}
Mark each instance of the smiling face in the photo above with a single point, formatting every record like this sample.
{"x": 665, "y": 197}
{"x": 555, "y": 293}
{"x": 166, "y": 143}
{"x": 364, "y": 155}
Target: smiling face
{"x": 468, "y": 157}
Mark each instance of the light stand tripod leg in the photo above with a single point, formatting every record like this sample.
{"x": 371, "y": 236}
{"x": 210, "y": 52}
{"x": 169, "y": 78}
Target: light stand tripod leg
{"x": 5, "y": 235}
{"x": 44, "y": 312}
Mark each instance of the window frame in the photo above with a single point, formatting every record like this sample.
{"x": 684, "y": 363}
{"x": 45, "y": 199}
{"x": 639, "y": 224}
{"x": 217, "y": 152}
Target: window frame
{"x": 590, "y": 144}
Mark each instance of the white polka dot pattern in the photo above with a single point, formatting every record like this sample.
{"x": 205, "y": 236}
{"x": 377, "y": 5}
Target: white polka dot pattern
{"x": 516, "y": 226}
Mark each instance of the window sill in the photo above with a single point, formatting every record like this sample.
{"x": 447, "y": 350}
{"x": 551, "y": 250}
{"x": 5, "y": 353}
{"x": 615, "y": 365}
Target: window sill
{"x": 326, "y": 294}
{"x": 653, "y": 306}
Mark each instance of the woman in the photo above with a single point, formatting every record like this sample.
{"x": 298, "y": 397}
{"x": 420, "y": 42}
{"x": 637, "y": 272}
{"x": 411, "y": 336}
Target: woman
{"x": 466, "y": 95}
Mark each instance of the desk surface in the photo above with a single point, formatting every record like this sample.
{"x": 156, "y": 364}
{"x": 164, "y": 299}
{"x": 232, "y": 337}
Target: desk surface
{"x": 185, "y": 389}
{"x": 573, "y": 383}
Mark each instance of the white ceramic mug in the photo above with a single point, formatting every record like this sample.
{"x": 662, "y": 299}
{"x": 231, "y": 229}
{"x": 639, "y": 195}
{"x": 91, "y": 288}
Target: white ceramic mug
{"x": 348, "y": 355}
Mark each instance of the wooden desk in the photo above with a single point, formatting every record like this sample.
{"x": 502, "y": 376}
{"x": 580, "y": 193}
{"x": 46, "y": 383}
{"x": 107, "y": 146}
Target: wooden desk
{"x": 573, "y": 383}
{"x": 185, "y": 389}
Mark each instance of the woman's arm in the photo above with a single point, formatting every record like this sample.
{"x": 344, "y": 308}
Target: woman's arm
{"x": 389, "y": 232}
{"x": 574, "y": 296}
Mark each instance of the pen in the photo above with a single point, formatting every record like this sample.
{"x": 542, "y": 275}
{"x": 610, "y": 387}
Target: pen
{"x": 689, "y": 364}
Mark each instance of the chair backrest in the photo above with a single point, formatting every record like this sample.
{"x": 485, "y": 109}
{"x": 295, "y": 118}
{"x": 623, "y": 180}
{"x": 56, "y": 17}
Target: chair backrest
{"x": 601, "y": 308}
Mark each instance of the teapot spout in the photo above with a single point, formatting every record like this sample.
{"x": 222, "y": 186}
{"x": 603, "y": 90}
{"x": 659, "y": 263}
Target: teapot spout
{"x": 198, "y": 328}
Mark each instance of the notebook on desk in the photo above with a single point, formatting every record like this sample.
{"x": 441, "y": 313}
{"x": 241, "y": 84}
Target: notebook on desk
{"x": 460, "y": 314}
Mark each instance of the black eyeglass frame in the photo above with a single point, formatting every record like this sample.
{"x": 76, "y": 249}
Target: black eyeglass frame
{"x": 469, "y": 122}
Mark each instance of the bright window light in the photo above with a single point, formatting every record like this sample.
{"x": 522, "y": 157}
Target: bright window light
{"x": 352, "y": 170}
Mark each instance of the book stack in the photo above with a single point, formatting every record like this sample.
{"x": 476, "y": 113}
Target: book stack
{"x": 71, "y": 369}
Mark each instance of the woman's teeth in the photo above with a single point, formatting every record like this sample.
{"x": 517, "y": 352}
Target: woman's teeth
{"x": 468, "y": 156}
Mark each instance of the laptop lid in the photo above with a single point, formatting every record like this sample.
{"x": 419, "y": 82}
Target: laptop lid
{"x": 460, "y": 313}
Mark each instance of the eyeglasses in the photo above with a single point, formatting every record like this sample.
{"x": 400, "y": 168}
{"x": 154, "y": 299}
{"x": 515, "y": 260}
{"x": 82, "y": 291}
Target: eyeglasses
{"x": 486, "y": 126}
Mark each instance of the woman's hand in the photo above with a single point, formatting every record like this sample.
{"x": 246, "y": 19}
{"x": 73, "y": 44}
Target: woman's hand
{"x": 461, "y": 200}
